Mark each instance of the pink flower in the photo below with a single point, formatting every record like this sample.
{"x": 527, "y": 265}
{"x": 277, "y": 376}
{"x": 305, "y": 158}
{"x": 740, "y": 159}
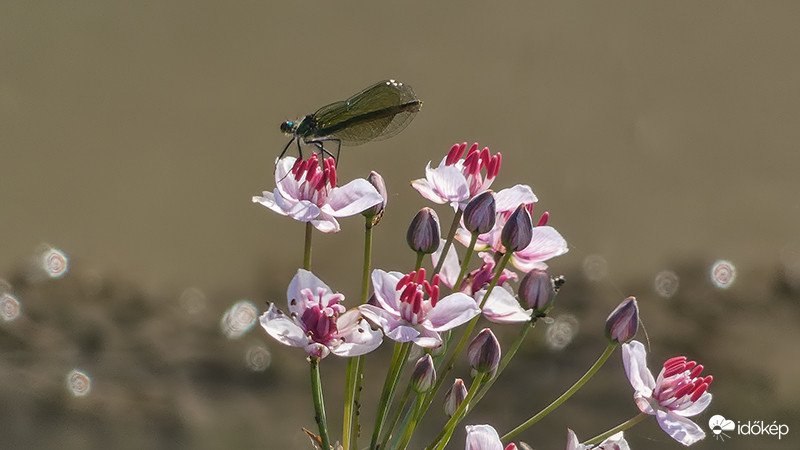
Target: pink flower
{"x": 546, "y": 242}
{"x": 615, "y": 442}
{"x": 678, "y": 393}
{"x": 485, "y": 437}
{"x": 317, "y": 321}
{"x": 457, "y": 180}
{"x": 409, "y": 308}
{"x": 307, "y": 192}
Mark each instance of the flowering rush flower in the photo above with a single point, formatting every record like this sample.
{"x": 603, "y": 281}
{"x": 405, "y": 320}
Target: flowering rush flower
{"x": 485, "y": 437}
{"x": 409, "y": 308}
{"x": 456, "y": 180}
{"x": 317, "y": 321}
{"x": 307, "y": 192}
{"x": 615, "y": 442}
{"x": 547, "y": 243}
{"x": 678, "y": 393}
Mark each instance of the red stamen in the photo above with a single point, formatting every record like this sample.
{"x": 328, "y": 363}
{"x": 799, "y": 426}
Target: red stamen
{"x": 696, "y": 371}
{"x": 455, "y": 153}
{"x": 485, "y": 157}
{"x": 543, "y": 220}
{"x": 300, "y": 170}
{"x": 685, "y": 389}
{"x": 497, "y": 159}
{"x": 408, "y": 293}
{"x": 470, "y": 162}
{"x": 674, "y": 360}
{"x": 421, "y": 276}
{"x": 403, "y": 281}
{"x": 332, "y": 173}
{"x": 699, "y": 392}
{"x": 708, "y": 379}
{"x": 416, "y": 307}
{"x": 434, "y": 295}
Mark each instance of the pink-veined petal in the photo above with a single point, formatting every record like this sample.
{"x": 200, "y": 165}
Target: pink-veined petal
{"x": 448, "y": 182}
{"x": 502, "y": 307}
{"x": 450, "y": 312}
{"x": 302, "y": 280}
{"x": 508, "y": 199}
{"x": 352, "y": 198}
{"x": 300, "y": 210}
{"x": 450, "y": 268}
{"x": 634, "y": 358}
{"x": 318, "y": 350}
{"x": 284, "y": 181}
{"x": 546, "y": 243}
{"x": 385, "y": 286}
{"x": 326, "y": 223}
{"x": 283, "y": 328}
{"x": 679, "y": 428}
{"x": 428, "y": 339}
{"x": 572, "y": 441}
{"x": 357, "y": 338}
{"x": 482, "y": 437}
{"x": 426, "y": 190}
{"x": 268, "y": 200}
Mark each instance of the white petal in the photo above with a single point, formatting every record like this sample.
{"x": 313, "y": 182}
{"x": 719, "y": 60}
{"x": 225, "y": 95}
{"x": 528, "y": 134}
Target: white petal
{"x": 426, "y": 190}
{"x": 546, "y": 243}
{"x": 449, "y": 182}
{"x": 450, "y": 268}
{"x": 634, "y": 358}
{"x": 572, "y": 441}
{"x": 695, "y": 408}
{"x": 326, "y": 223}
{"x": 502, "y": 307}
{"x": 385, "y": 286}
{"x": 283, "y": 328}
{"x": 268, "y": 200}
{"x": 451, "y": 312}
{"x": 301, "y": 210}
{"x": 428, "y": 339}
{"x": 509, "y": 199}
{"x": 352, "y": 198}
{"x": 380, "y": 317}
{"x": 302, "y": 280}
{"x": 614, "y": 442}
{"x": 482, "y": 437}
{"x": 679, "y": 428}
{"x": 357, "y": 336}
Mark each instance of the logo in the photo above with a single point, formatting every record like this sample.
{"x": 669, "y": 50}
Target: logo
{"x": 719, "y": 425}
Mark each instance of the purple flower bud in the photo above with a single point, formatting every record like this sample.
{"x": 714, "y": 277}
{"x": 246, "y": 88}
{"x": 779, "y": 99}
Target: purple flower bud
{"x": 424, "y": 374}
{"x": 479, "y": 214}
{"x": 375, "y": 213}
{"x": 623, "y": 322}
{"x": 423, "y": 233}
{"x": 484, "y": 352}
{"x": 454, "y": 397}
{"x": 518, "y": 230}
{"x": 538, "y": 291}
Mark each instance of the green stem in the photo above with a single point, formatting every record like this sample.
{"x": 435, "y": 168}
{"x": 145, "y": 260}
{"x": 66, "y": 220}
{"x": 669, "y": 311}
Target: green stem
{"x": 319, "y": 403}
{"x": 506, "y": 359}
{"x": 396, "y": 417}
{"x": 444, "y": 436}
{"x": 409, "y": 430}
{"x": 307, "y": 251}
{"x": 557, "y": 402}
{"x": 465, "y": 264}
{"x": 418, "y": 263}
{"x": 367, "y": 265}
{"x": 389, "y": 385}
{"x": 349, "y": 401}
{"x": 447, "y": 243}
{"x": 621, "y": 427}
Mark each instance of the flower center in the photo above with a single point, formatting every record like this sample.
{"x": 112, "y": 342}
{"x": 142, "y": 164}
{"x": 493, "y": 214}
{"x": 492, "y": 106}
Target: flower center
{"x": 413, "y": 287}
{"x": 680, "y": 383}
{"x": 314, "y": 181}
{"x": 319, "y": 319}
{"x": 474, "y": 162}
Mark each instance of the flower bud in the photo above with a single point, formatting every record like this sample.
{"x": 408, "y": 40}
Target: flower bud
{"x": 423, "y": 233}
{"x": 538, "y": 291}
{"x": 518, "y": 230}
{"x": 623, "y": 322}
{"x": 375, "y": 213}
{"x": 480, "y": 212}
{"x": 484, "y": 352}
{"x": 424, "y": 375}
{"x": 454, "y": 397}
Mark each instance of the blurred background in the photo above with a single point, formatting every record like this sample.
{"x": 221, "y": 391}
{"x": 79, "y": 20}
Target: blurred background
{"x": 662, "y": 138}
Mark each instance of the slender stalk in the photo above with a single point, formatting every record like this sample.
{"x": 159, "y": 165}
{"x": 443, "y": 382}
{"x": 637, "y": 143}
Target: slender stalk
{"x": 465, "y": 264}
{"x": 557, "y": 402}
{"x": 355, "y": 366}
{"x": 449, "y": 241}
{"x": 396, "y": 417}
{"x": 418, "y": 263}
{"x": 389, "y": 385}
{"x": 307, "y": 251}
{"x": 319, "y": 403}
{"x": 506, "y": 359}
{"x": 444, "y": 436}
{"x": 408, "y": 431}
{"x": 621, "y": 427}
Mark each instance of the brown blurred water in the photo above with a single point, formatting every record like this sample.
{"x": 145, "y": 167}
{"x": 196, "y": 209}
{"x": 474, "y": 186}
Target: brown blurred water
{"x": 660, "y": 135}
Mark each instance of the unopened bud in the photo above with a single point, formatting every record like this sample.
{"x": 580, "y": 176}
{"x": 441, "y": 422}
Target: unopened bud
{"x": 623, "y": 322}
{"x": 538, "y": 291}
{"x": 484, "y": 352}
{"x": 374, "y": 214}
{"x": 424, "y": 375}
{"x": 480, "y": 212}
{"x": 454, "y": 397}
{"x": 423, "y": 233}
{"x": 518, "y": 230}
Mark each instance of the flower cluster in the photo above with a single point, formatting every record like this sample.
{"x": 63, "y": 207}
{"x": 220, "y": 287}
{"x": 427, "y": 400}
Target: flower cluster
{"x": 423, "y": 310}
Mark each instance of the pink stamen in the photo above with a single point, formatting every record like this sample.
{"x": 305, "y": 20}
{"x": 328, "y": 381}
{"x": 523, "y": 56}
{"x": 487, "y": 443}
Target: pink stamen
{"x": 417, "y": 305}
{"x": 299, "y": 170}
{"x": 404, "y": 280}
{"x": 699, "y": 392}
{"x": 420, "y": 276}
{"x": 486, "y": 157}
{"x": 696, "y": 371}
{"x": 408, "y": 293}
{"x": 332, "y": 172}
{"x": 494, "y": 166}
{"x": 455, "y": 153}
{"x": 543, "y": 220}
